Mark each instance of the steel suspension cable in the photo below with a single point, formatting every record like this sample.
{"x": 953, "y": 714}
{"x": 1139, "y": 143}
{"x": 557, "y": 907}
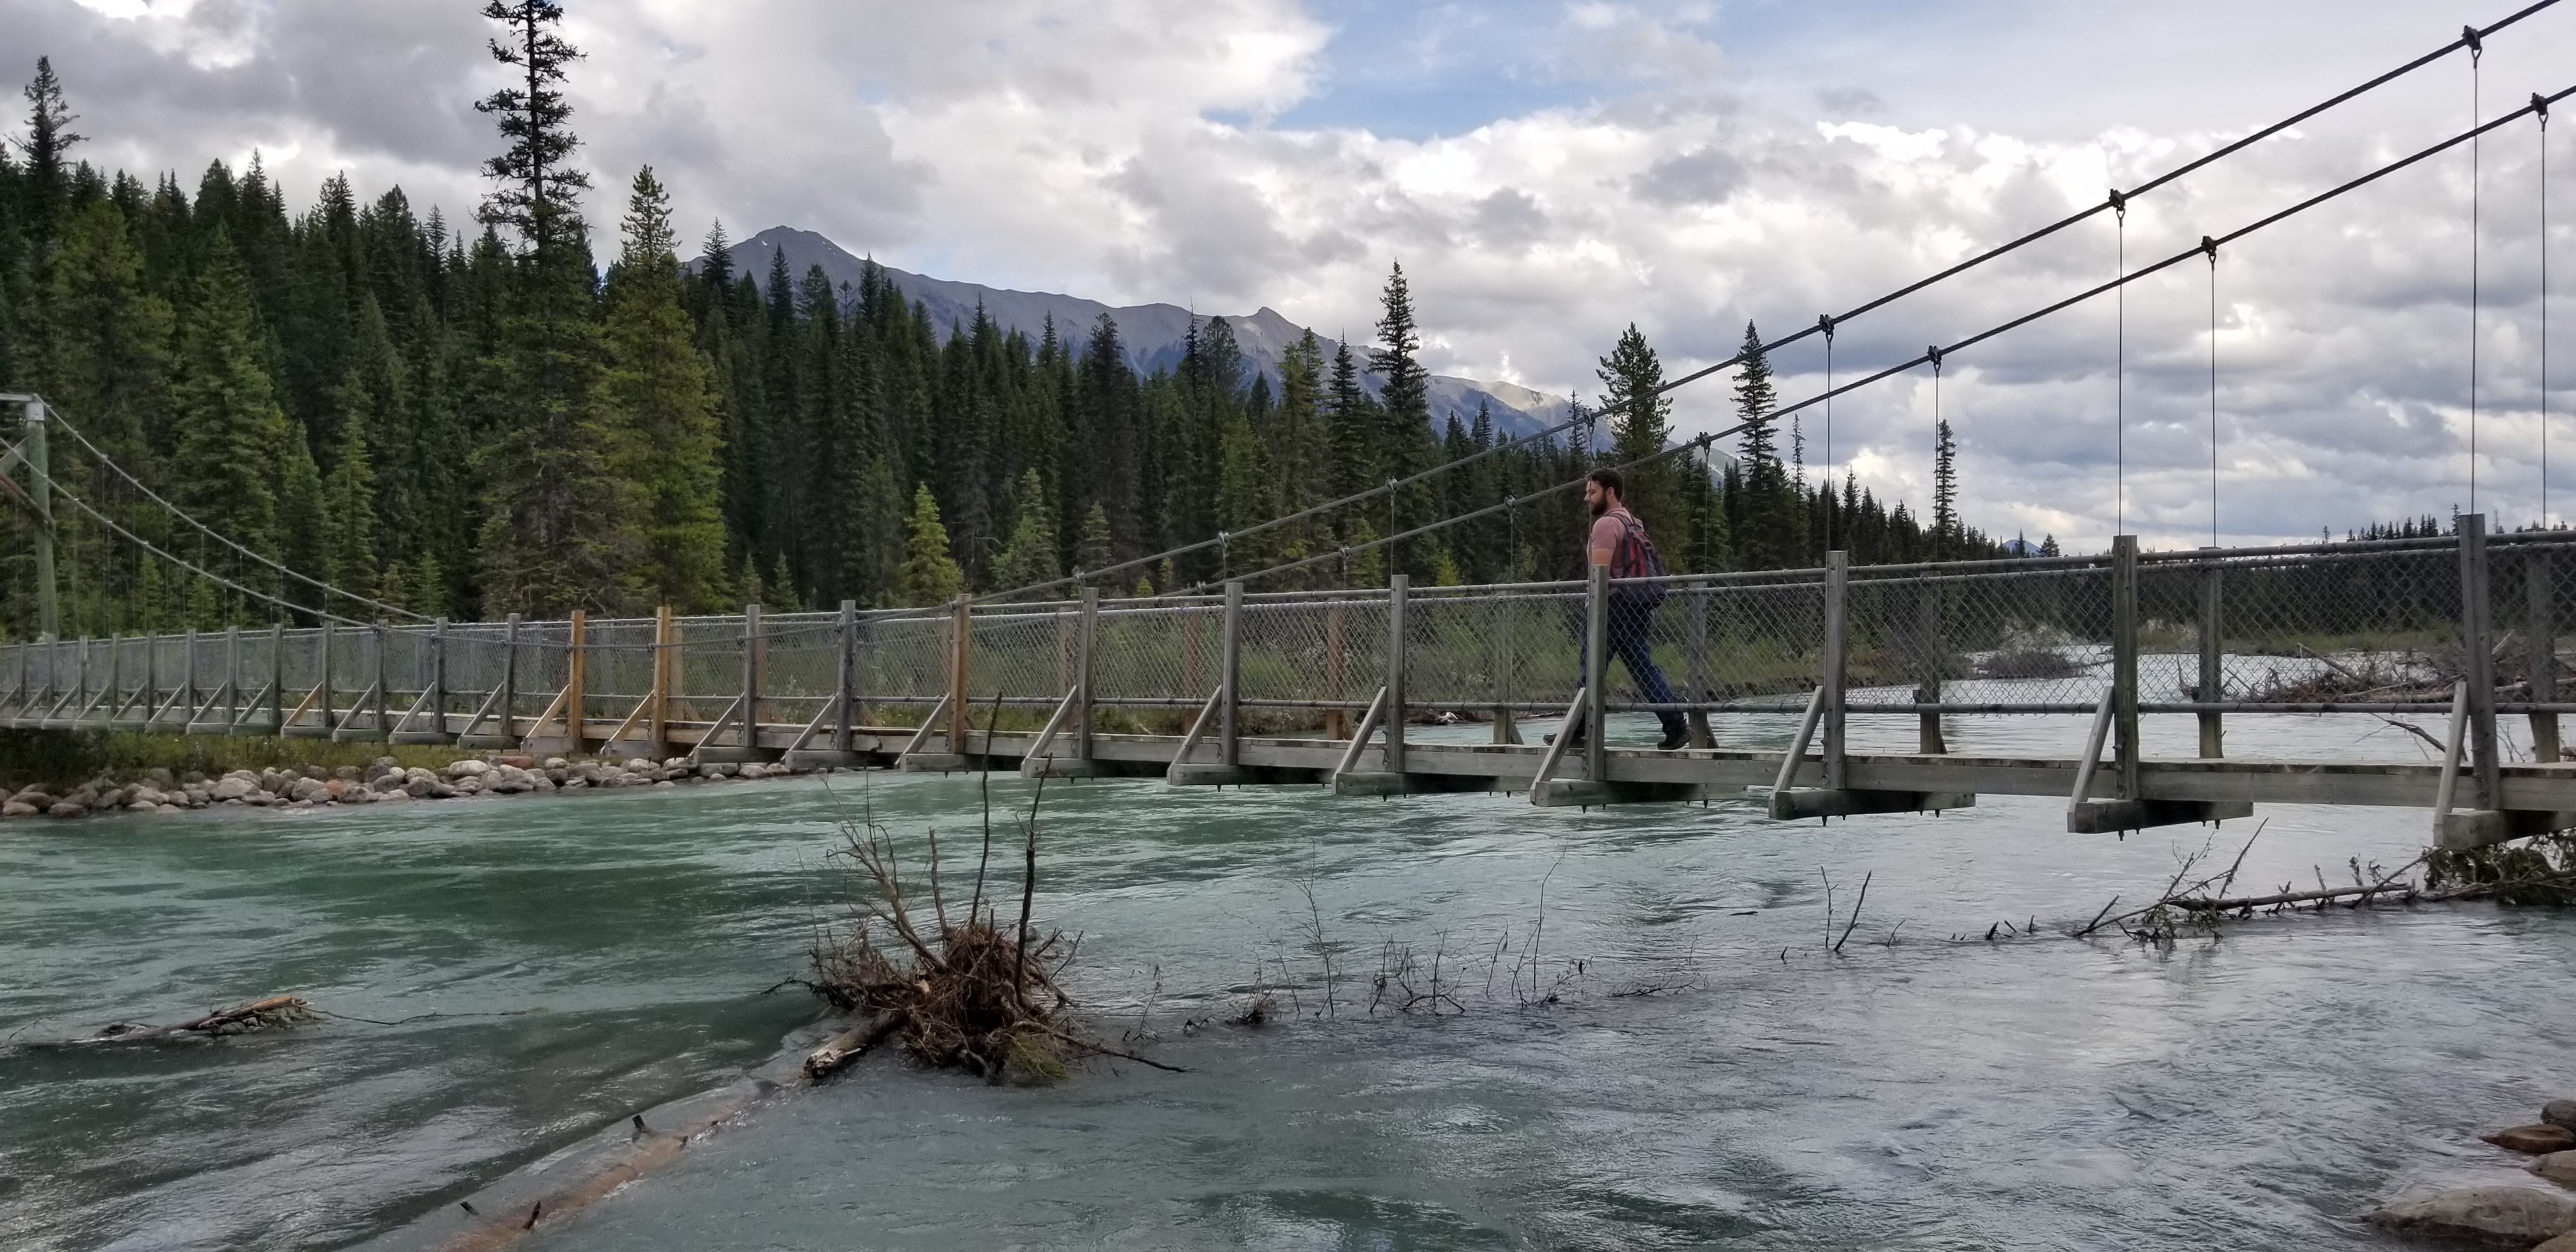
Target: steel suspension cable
{"x": 2542, "y": 108}
{"x": 2117, "y": 199}
{"x": 218, "y": 579}
{"x": 2538, "y": 102}
{"x": 2206, "y": 247}
{"x": 173, "y": 510}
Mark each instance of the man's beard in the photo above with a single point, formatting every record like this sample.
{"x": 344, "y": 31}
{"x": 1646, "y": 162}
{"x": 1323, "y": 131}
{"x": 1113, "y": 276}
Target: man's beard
{"x": 1599, "y": 505}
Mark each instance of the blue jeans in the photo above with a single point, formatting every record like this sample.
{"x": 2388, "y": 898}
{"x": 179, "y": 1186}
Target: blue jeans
{"x": 1631, "y": 640}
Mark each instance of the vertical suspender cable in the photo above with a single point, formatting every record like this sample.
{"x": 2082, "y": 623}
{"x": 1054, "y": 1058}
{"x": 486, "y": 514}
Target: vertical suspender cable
{"x": 2210, "y": 246}
{"x": 2542, "y": 107}
{"x": 2476, "y": 107}
{"x": 1825, "y": 323}
{"x": 2120, "y": 369}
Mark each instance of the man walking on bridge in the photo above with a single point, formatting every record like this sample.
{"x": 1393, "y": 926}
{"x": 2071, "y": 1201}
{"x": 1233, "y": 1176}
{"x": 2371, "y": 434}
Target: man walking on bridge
{"x": 1618, "y": 540}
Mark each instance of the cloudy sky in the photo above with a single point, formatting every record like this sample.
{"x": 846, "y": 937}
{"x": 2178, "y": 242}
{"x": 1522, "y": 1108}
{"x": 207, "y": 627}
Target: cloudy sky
{"x": 1548, "y": 173}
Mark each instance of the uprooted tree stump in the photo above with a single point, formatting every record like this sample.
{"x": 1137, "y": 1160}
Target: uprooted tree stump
{"x": 960, "y": 990}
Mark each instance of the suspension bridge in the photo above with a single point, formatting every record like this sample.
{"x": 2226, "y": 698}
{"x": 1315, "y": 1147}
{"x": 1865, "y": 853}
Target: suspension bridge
{"x": 1863, "y": 667}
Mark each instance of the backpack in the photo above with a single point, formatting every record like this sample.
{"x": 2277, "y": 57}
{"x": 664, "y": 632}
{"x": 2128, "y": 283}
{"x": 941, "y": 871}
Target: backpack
{"x": 1636, "y": 557}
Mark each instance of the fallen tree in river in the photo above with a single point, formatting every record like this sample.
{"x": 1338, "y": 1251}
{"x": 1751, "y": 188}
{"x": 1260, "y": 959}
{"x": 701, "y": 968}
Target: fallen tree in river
{"x": 970, "y": 990}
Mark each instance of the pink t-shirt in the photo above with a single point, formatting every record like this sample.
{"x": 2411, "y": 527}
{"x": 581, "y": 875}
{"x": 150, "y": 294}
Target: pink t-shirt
{"x": 1607, "y": 530}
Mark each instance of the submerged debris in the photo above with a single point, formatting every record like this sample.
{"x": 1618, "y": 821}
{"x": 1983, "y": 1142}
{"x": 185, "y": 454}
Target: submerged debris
{"x": 272, "y": 1013}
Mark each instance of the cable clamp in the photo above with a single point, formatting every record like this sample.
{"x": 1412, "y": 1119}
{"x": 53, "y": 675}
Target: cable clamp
{"x": 2209, "y": 248}
{"x": 2120, "y": 203}
{"x": 1825, "y": 323}
{"x": 1933, "y": 354}
{"x": 2477, "y": 46}
{"x": 2540, "y": 105}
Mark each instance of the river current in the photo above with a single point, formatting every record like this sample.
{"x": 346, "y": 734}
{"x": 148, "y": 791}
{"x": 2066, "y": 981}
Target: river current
{"x": 1642, "y": 1038}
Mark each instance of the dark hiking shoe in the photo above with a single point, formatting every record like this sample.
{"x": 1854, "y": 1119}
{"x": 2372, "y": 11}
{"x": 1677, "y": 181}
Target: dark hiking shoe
{"x": 1672, "y": 739}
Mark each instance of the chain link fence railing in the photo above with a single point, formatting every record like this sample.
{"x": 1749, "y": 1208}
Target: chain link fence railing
{"x": 2371, "y": 626}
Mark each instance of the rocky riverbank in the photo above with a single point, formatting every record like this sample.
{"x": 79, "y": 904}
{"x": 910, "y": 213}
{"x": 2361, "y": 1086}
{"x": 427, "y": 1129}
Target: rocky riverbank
{"x": 158, "y": 791}
{"x": 2502, "y": 1215}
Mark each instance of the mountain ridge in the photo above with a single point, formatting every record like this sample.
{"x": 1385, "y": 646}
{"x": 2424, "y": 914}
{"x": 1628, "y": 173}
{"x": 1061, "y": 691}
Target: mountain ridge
{"x": 1153, "y": 334}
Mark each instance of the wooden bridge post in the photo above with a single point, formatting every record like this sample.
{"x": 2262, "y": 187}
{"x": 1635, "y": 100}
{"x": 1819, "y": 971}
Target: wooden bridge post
{"x": 151, "y": 678}
{"x": 2213, "y": 670}
{"x": 1596, "y": 674}
{"x": 1929, "y": 740}
{"x": 845, "y": 673}
{"x": 961, "y": 625}
{"x": 2124, "y": 662}
{"x": 277, "y": 678}
{"x": 232, "y": 675}
{"x": 1398, "y": 587}
{"x": 187, "y": 679}
{"x": 2477, "y": 645}
{"x": 752, "y": 643}
{"x": 438, "y": 676}
{"x": 1230, "y": 665}
{"x": 507, "y": 703}
{"x": 1507, "y": 729}
{"x": 322, "y": 646}
{"x": 376, "y": 644}
{"x": 115, "y": 674}
{"x": 578, "y": 648}
{"x": 2540, "y": 592}
{"x": 665, "y": 671}
{"x": 1086, "y": 646}
{"x": 1700, "y": 734}
{"x": 1337, "y": 720}
{"x": 1837, "y": 644}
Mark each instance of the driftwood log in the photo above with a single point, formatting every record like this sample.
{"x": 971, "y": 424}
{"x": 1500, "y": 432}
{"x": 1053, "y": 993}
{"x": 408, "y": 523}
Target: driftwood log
{"x": 851, "y": 1044}
{"x": 272, "y": 1013}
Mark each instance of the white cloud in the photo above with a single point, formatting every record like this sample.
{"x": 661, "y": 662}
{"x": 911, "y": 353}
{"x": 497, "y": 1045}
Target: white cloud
{"x": 1673, "y": 172}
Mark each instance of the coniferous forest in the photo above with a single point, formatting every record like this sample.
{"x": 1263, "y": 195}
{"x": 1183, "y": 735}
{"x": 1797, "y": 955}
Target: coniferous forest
{"x": 543, "y": 406}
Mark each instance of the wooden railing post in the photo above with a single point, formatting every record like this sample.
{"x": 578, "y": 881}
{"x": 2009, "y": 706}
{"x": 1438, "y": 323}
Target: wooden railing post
{"x": 187, "y": 681}
{"x": 1086, "y": 647}
{"x": 438, "y": 676}
{"x": 665, "y": 671}
{"x": 2213, "y": 669}
{"x": 576, "y": 654}
{"x": 232, "y": 675}
{"x": 508, "y": 698}
{"x": 1337, "y": 720}
{"x": 845, "y": 674}
{"x": 322, "y": 650}
{"x": 1701, "y": 736}
{"x": 961, "y": 626}
{"x": 1837, "y": 645}
{"x": 376, "y": 642}
{"x": 1928, "y": 739}
{"x": 751, "y": 646}
{"x": 2124, "y": 661}
{"x": 2477, "y": 643}
{"x": 1596, "y": 674}
{"x": 1229, "y": 723}
{"x": 2540, "y": 597}
{"x": 277, "y": 679}
{"x": 1398, "y": 588}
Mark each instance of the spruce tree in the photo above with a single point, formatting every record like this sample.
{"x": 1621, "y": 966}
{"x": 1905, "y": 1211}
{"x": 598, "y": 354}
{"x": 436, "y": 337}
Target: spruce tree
{"x": 47, "y": 179}
{"x": 1354, "y": 441}
{"x": 928, "y": 575}
{"x": 232, "y": 436}
{"x": 1094, "y": 552}
{"x": 302, "y": 522}
{"x": 349, "y": 517}
{"x": 1029, "y": 556}
{"x": 557, "y": 527}
{"x": 659, "y": 393}
{"x": 1945, "y": 487}
{"x": 1640, "y": 422}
